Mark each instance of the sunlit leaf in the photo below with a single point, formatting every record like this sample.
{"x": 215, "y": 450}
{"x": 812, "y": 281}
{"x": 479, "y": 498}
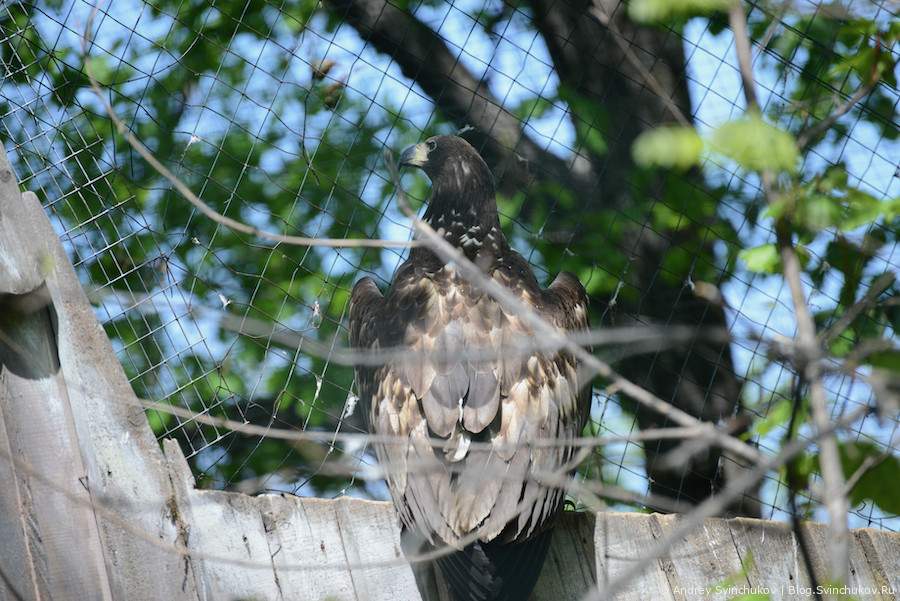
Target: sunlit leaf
{"x": 818, "y": 212}
{"x": 661, "y": 10}
{"x": 776, "y": 417}
{"x": 762, "y": 259}
{"x": 672, "y": 147}
{"x": 756, "y": 145}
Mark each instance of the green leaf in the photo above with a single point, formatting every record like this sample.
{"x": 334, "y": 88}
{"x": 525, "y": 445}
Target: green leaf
{"x": 672, "y": 147}
{"x": 532, "y": 108}
{"x": 661, "y": 10}
{"x": 101, "y": 70}
{"x": 818, "y": 212}
{"x": 863, "y": 209}
{"x": 762, "y": 259}
{"x": 844, "y": 344}
{"x": 889, "y": 360}
{"x": 881, "y": 481}
{"x": 777, "y": 416}
{"x": 756, "y": 145}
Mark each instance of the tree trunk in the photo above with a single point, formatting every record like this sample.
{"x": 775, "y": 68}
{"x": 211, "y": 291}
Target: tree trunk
{"x": 619, "y": 80}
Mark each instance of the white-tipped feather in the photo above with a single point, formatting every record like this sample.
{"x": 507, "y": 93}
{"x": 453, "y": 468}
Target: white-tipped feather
{"x": 471, "y": 414}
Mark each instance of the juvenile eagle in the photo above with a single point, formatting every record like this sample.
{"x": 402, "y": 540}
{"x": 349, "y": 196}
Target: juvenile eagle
{"x": 465, "y": 393}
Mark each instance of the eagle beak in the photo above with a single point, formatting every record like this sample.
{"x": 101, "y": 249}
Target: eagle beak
{"x": 414, "y": 156}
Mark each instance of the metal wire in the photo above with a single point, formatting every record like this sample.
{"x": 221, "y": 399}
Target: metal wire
{"x": 294, "y": 108}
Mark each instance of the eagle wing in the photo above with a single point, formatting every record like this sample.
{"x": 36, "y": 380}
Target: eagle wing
{"x": 465, "y": 396}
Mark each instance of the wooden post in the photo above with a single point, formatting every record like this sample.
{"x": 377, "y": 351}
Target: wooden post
{"x": 83, "y": 511}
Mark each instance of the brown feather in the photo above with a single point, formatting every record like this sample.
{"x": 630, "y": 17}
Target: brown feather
{"x": 477, "y": 395}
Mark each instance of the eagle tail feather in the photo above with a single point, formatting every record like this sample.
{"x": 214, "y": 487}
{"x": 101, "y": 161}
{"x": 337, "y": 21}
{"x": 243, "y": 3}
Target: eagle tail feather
{"x": 496, "y": 571}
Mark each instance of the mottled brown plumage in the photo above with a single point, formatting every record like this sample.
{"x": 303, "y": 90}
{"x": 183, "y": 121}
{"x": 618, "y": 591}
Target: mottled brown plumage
{"x": 465, "y": 393}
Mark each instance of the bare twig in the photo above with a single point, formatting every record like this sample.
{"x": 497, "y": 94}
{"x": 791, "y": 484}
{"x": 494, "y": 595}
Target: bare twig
{"x": 869, "y": 298}
{"x": 204, "y": 208}
{"x": 808, "y": 350}
{"x": 738, "y": 22}
{"x": 810, "y": 135}
{"x": 637, "y": 339}
{"x": 868, "y": 463}
{"x": 699, "y": 431}
{"x": 553, "y": 338}
{"x": 793, "y": 482}
{"x": 716, "y": 505}
{"x": 773, "y": 27}
{"x": 604, "y": 18}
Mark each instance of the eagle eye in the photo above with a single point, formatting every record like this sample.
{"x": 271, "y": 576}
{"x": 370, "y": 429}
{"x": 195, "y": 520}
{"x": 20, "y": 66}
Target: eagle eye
{"x": 431, "y": 145}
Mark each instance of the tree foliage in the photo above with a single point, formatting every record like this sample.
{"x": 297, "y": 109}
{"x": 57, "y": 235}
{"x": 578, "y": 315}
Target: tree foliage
{"x": 278, "y": 116}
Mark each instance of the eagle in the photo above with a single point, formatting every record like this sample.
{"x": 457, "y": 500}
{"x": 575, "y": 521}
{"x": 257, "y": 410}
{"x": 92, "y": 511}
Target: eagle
{"x": 474, "y": 419}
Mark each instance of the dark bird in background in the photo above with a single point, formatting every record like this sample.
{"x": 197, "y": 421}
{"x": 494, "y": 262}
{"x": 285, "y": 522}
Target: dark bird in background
{"x": 465, "y": 395}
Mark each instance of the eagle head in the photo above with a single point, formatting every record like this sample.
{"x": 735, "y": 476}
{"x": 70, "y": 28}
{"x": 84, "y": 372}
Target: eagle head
{"x": 461, "y": 180}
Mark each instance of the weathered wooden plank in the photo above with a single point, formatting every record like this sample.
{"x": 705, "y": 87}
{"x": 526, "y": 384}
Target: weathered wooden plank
{"x": 21, "y": 267}
{"x": 771, "y": 556}
{"x": 620, "y": 541}
{"x": 89, "y": 489}
{"x": 19, "y": 581}
{"x": 21, "y": 555}
{"x": 882, "y": 553}
{"x": 67, "y": 561}
{"x": 286, "y": 547}
{"x": 180, "y": 514}
{"x": 862, "y": 578}
{"x": 228, "y": 554}
{"x": 377, "y": 567}
{"x": 703, "y": 563}
{"x": 765, "y": 559}
{"x": 47, "y": 511}
{"x": 307, "y": 548}
{"x": 124, "y": 468}
{"x": 229, "y": 533}
{"x": 569, "y": 571}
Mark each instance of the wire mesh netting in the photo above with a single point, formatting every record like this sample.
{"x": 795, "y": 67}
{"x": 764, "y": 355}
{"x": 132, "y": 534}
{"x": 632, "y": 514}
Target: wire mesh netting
{"x": 277, "y": 115}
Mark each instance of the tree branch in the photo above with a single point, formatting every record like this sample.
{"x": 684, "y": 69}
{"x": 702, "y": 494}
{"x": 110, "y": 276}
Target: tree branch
{"x": 552, "y": 337}
{"x": 868, "y": 299}
{"x": 812, "y": 134}
{"x": 424, "y": 57}
{"x": 675, "y": 98}
{"x": 808, "y": 352}
{"x": 232, "y": 224}
{"x": 715, "y": 505}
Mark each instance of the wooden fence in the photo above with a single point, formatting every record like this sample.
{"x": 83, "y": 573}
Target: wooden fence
{"x": 92, "y": 508}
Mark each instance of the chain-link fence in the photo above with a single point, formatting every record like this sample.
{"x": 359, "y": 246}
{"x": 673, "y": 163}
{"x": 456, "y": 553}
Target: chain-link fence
{"x": 277, "y": 116}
